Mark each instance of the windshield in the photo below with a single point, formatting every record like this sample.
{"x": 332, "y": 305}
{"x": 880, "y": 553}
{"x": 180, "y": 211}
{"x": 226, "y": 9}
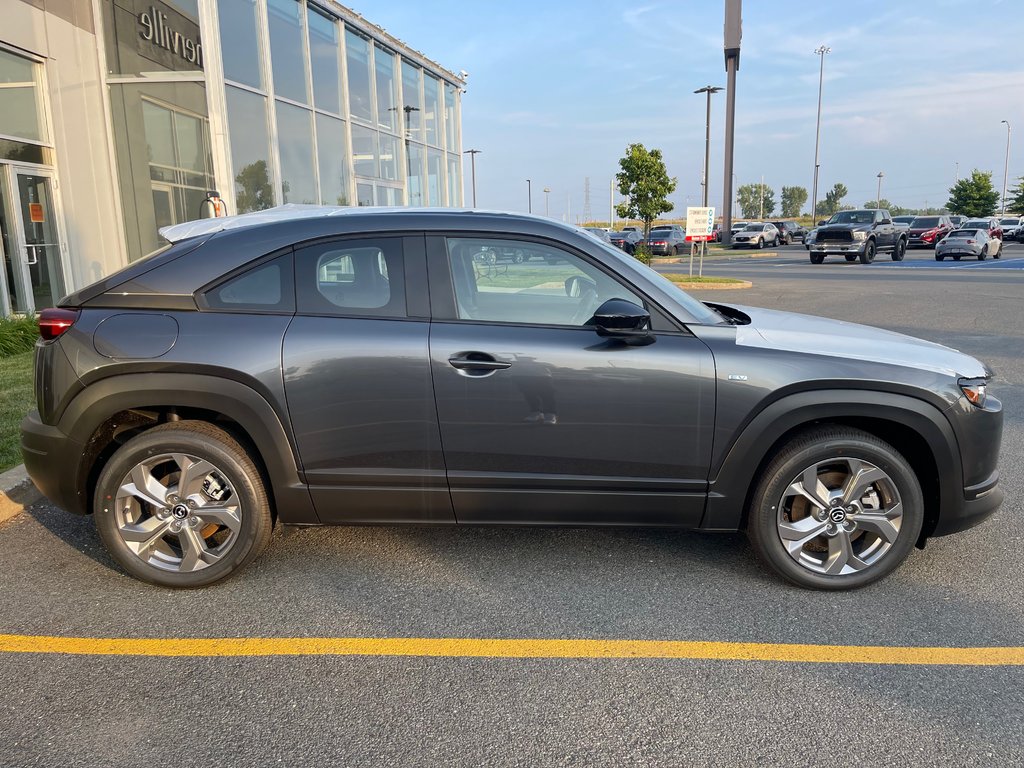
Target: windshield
{"x": 975, "y": 224}
{"x": 925, "y": 221}
{"x": 1010, "y": 222}
{"x": 753, "y": 227}
{"x": 853, "y": 217}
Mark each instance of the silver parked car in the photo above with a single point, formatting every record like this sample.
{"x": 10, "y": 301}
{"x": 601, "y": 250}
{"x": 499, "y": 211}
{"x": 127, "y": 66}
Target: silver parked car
{"x": 966, "y": 242}
{"x": 757, "y": 235}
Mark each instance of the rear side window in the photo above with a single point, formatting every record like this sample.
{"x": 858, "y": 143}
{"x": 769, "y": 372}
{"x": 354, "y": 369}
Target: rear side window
{"x": 267, "y": 287}
{"x": 352, "y": 278}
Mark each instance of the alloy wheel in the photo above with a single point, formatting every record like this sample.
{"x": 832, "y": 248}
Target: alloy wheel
{"x": 177, "y": 512}
{"x": 839, "y": 516}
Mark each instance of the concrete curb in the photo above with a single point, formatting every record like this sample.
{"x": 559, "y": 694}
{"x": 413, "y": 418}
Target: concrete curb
{"x": 16, "y": 493}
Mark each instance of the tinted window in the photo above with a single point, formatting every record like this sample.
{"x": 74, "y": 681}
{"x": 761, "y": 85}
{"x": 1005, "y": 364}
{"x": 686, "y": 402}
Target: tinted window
{"x": 967, "y": 233}
{"x": 549, "y": 286}
{"x": 925, "y": 221}
{"x": 265, "y": 288}
{"x": 352, "y": 277}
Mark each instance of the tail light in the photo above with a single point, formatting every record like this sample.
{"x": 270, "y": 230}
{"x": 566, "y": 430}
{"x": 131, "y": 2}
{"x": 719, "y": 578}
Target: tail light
{"x": 53, "y": 322}
{"x": 970, "y": 242}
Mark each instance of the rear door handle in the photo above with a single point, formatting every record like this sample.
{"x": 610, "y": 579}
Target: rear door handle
{"x": 478, "y": 361}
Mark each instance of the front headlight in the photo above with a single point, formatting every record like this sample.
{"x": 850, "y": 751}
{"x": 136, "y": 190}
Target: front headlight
{"x": 860, "y": 235}
{"x": 974, "y": 390}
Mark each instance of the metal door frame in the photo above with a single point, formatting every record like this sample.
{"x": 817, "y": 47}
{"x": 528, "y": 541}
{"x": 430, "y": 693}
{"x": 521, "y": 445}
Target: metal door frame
{"x": 20, "y": 270}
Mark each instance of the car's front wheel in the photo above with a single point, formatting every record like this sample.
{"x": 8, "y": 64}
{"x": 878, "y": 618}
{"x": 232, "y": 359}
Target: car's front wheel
{"x": 837, "y": 508}
{"x": 817, "y": 258}
{"x": 868, "y": 254}
{"x": 182, "y": 505}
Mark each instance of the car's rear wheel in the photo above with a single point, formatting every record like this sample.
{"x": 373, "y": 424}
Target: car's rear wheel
{"x": 817, "y": 258}
{"x": 899, "y": 250}
{"x": 983, "y": 254}
{"x": 837, "y": 508}
{"x": 868, "y": 254}
{"x": 182, "y": 505}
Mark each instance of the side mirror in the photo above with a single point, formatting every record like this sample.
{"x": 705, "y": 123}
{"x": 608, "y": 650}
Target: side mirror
{"x": 623, "y": 319}
{"x": 577, "y": 285}
{"x": 886, "y": 221}
{"x": 823, "y": 221}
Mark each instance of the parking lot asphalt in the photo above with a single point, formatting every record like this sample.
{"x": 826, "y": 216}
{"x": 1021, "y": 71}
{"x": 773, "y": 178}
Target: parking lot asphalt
{"x": 456, "y": 710}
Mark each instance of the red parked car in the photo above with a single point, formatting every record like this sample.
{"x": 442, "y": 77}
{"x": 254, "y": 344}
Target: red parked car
{"x": 926, "y": 231}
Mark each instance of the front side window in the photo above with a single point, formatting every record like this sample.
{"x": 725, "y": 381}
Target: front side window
{"x": 515, "y": 281}
{"x": 351, "y": 278}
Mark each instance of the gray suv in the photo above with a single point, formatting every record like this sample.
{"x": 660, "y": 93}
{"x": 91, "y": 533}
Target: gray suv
{"x": 346, "y": 366}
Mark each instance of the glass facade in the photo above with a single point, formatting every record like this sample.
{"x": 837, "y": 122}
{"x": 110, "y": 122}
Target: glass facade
{"x": 21, "y": 98}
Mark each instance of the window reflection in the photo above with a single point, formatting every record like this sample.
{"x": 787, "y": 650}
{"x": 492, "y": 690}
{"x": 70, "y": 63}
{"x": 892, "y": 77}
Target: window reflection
{"x": 388, "y": 157}
{"x": 323, "y": 51}
{"x": 364, "y": 151}
{"x": 247, "y": 127}
{"x": 431, "y": 109}
{"x": 387, "y": 101}
{"x": 450, "y": 124}
{"x": 238, "y": 41}
{"x": 434, "y": 177}
{"x": 333, "y": 161}
{"x": 413, "y": 106}
{"x": 295, "y": 139}
{"x": 414, "y": 178}
{"x": 20, "y": 105}
{"x": 357, "y": 54}
{"x": 454, "y": 176}
{"x": 287, "y": 53}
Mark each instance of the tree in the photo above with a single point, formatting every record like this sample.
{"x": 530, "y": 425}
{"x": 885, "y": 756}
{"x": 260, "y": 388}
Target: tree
{"x": 833, "y": 200}
{"x": 255, "y": 194}
{"x": 645, "y": 184}
{"x": 973, "y": 195}
{"x": 892, "y": 208}
{"x": 1015, "y": 201}
{"x": 751, "y": 197}
{"x": 793, "y": 199}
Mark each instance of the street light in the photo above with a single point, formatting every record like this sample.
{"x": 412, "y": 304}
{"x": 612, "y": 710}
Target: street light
{"x": 472, "y": 161}
{"x": 1006, "y": 164}
{"x": 878, "y": 197}
{"x": 821, "y": 50}
{"x": 529, "y": 196}
{"x": 708, "y": 89}
{"x": 733, "y": 33}
{"x": 547, "y": 192}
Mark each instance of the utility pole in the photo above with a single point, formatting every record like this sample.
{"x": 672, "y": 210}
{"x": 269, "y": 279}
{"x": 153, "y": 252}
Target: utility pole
{"x": 708, "y": 89}
{"x": 762, "y": 198}
{"x": 472, "y": 162}
{"x": 733, "y": 32}
{"x": 957, "y": 180}
{"x": 878, "y": 197}
{"x": 586, "y": 200}
{"x": 547, "y": 192}
{"x": 1006, "y": 165}
{"x": 821, "y": 50}
{"x": 611, "y": 204}
{"x": 529, "y": 196}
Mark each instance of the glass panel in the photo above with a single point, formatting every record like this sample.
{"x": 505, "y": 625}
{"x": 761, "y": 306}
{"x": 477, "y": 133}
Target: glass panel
{"x": 250, "y": 150}
{"x": 190, "y": 142}
{"x": 42, "y": 246}
{"x": 158, "y": 123}
{"x": 387, "y": 99}
{"x": 450, "y": 123}
{"x": 431, "y": 109}
{"x": 435, "y": 177}
{"x": 267, "y": 288}
{"x": 333, "y": 160}
{"x": 323, "y": 51}
{"x": 512, "y": 281}
{"x": 388, "y": 157}
{"x": 364, "y": 151}
{"x": 287, "y": 53}
{"x": 295, "y": 142}
{"x": 151, "y": 35}
{"x": 239, "y": 42}
{"x": 413, "y": 106}
{"x": 454, "y": 182}
{"x": 414, "y": 177}
{"x": 21, "y": 152}
{"x": 362, "y": 277}
{"x": 20, "y": 109}
{"x": 357, "y": 54}
{"x": 364, "y": 194}
{"x": 389, "y": 196}
{"x": 14, "y": 285}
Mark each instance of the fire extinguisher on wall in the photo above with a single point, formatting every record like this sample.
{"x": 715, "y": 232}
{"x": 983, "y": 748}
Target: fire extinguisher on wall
{"x": 212, "y": 207}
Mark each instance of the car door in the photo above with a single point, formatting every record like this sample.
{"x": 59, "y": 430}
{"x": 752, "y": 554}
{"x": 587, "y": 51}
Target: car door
{"x": 358, "y": 382}
{"x": 543, "y": 420}
{"x": 885, "y": 231}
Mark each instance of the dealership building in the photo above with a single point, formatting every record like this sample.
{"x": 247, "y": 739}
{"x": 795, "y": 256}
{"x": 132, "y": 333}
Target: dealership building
{"x": 118, "y": 117}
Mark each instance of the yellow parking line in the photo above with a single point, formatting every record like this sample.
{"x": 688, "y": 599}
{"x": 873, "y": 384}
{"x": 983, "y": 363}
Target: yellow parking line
{"x": 511, "y": 649}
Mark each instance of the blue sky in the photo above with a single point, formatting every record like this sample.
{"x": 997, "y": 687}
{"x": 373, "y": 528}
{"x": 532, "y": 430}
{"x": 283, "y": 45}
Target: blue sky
{"x": 558, "y": 89}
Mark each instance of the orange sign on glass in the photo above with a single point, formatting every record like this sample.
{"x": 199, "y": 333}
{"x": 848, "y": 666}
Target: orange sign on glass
{"x": 35, "y": 213}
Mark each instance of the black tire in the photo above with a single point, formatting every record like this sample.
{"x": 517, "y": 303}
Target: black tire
{"x": 203, "y": 441}
{"x": 775, "y": 242}
{"x": 851, "y": 257}
{"x": 868, "y": 254}
{"x": 939, "y": 258}
{"x": 817, "y": 258}
{"x": 822, "y": 445}
{"x": 899, "y": 250}
{"x": 984, "y": 254}
{"x": 760, "y": 243}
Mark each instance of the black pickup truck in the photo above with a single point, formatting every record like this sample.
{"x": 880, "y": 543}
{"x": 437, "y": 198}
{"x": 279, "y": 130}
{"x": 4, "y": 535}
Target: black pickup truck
{"x": 859, "y": 234}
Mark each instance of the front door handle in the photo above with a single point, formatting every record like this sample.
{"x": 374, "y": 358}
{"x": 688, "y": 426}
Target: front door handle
{"x": 477, "y": 361}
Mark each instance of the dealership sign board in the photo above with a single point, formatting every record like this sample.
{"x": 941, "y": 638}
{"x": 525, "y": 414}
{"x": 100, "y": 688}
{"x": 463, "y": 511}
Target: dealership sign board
{"x": 700, "y": 224}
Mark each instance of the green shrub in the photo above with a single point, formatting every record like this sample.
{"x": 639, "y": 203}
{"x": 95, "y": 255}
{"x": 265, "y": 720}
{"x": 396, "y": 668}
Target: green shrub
{"x": 17, "y": 335}
{"x": 642, "y": 254}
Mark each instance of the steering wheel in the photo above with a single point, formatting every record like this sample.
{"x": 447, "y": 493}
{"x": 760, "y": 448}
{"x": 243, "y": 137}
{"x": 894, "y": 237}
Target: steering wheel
{"x": 587, "y": 305}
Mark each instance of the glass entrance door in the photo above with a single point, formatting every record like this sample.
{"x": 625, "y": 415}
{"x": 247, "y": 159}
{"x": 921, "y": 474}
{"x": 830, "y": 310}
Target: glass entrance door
{"x": 37, "y": 269}
{"x": 13, "y": 284}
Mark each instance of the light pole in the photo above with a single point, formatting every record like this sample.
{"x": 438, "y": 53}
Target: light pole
{"x": 762, "y": 197}
{"x": 878, "y": 197}
{"x": 547, "y": 192}
{"x": 821, "y": 50}
{"x": 529, "y": 196}
{"x": 1006, "y": 164}
{"x": 708, "y": 89}
{"x": 957, "y": 179}
{"x": 732, "y": 35}
{"x": 472, "y": 162}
